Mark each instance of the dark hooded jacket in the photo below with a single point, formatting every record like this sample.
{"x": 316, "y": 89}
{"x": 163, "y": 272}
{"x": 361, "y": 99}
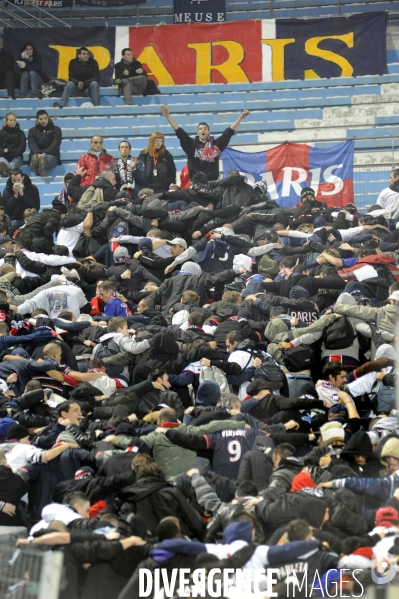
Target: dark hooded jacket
{"x": 152, "y": 500}
{"x": 360, "y": 444}
{"x": 12, "y": 142}
{"x": 236, "y": 192}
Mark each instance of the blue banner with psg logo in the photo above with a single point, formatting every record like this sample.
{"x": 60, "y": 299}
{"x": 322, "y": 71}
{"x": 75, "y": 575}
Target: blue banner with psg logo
{"x": 288, "y": 168}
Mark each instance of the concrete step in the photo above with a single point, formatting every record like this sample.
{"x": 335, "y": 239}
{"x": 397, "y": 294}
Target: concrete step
{"x": 354, "y": 121}
{"x": 379, "y": 110}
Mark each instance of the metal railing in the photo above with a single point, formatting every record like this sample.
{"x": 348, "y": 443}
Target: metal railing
{"x": 30, "y": 573}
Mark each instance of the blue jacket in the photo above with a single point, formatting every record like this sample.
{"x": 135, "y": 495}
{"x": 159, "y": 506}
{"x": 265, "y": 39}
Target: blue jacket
{"x": 382, "y": 488}
{"x": 115, "y": 307}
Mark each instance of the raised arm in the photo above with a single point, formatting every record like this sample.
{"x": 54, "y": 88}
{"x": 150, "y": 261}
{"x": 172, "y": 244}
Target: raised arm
{"x": 164, "y": 110}
{"x": 237, "y": 122}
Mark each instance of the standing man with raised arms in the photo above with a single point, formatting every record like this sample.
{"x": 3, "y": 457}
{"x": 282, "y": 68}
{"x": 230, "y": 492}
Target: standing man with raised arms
{"x": 203, "y": 152}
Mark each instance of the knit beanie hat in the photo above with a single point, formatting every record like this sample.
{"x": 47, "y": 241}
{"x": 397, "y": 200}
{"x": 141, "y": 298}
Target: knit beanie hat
{"x": 386, "y": 516}
{"x": 331, "y": 432}
{"x": 262, "y": 186}
{"x": 319, "y": 221}
{"x": 307, "y": 191}
{"x": 302, "y": 480}
{"x": 297, "y": 292}
{"x": 208, "y": 394}
{"x": 121, "y": 252}
{"x": 84, "y": 472}
{"x": 58, "y": 205}
{"x": 145, "y": 243}
{"x": 17, "y": 432}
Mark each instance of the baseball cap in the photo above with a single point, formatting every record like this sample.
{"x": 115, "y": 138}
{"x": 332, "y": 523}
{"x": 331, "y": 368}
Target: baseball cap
{"x": 178, "y": 241}
{"x": 120, "y": 230}
{"x": 394, "y": 296}
{"x": 386, "y": 516}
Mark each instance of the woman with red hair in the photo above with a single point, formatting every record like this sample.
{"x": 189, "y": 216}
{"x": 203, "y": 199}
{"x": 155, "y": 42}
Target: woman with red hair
{"x": 160, "y": 169}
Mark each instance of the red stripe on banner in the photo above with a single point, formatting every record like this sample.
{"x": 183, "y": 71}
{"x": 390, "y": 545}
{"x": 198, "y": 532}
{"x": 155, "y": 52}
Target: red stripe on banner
{"x": 341, "y": 199}
{"x": 294, "y": 155}
{"x": 200, "y": 53}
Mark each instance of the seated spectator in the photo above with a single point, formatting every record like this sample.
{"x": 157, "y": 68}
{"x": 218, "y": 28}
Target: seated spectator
{"x": 44, "y": 141}
{"x": 130, "y": 76}
{"x": 94, "y": 161}
{"x": 84, "y": 79}
{"x": 7, "y": 71}
{"x": 160, "y": 169}
{"x": 32, "y": 76}
{"x": 130, "y": 172}
{"x": 19, "y": 194}
{"x": 63, "y": 196}
{"x": 12, "y": 145}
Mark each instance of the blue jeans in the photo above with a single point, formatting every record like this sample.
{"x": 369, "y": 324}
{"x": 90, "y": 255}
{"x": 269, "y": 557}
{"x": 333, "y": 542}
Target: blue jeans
{"x": 35, "y": 81}
{"x": 51, "y": 161}
{"x": 14, "y": 163}
{"x": 15, "y": 224}
{"x": 295, "y": 382}
{"x": 93, "y": 91}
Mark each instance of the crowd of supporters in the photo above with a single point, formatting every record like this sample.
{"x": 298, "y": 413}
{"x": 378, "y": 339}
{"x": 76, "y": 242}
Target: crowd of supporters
{"x": 198, "y": 378}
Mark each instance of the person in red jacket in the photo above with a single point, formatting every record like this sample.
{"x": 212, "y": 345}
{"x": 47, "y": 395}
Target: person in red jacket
{"x": 95, "y": 161}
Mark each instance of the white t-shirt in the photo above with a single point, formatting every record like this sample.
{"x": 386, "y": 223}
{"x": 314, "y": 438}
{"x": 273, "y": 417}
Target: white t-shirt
{"x": 69, "y": 237}
{"x": 389, "y": 199}
{"x": 56, "y": 300}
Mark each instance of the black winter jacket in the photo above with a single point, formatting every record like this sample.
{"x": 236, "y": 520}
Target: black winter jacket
{"x": 166, "y": 171}
{"x": 6, "y": 62}
{"x": 85, "y": 72}
{"x": 271, "y": 404}
{"x": 12, "y": 142}
{"x": 171, "y": 290}
{"x": 139, "y": 275}
{"x": 44, "y": 224}
{"x": 236, "y": 192}
{"x": 45, "y": 140}
{"x": 128, "y": 66}
{"x": 15, "y": 207}
{"x": 152, "y": 500}
{"x": 35, "y": 64}
{"x": 193, "y": 148}
{"x": 12, "y": 488}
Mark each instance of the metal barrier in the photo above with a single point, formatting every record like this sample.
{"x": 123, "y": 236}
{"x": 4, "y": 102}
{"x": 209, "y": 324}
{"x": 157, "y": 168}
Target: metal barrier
{"x": 30, "y": 574}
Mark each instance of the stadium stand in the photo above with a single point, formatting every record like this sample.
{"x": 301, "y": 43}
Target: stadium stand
{"x": 321, "y": 112}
